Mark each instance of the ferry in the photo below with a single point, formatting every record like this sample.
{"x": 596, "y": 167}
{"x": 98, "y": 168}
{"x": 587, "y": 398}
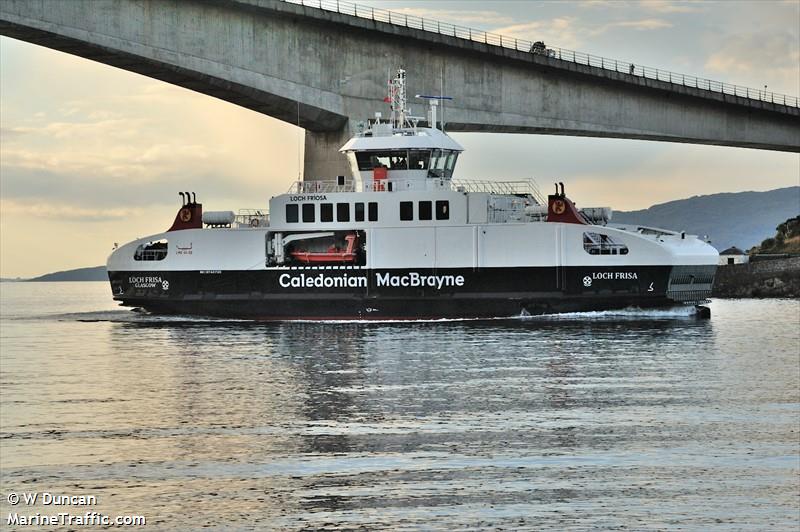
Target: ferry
{"x": 400, "y": 238}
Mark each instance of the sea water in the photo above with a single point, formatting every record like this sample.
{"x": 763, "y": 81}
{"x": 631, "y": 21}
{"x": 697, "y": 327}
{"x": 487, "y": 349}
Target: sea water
{"x": 627, "y": 419}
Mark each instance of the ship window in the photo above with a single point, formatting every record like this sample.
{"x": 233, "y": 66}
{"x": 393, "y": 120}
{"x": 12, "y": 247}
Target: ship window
{"x": 326, "y": 212}
{"x": 364, "y": 160}
{"x": 425, "y": 210}
{"x": 399, "y": 160}
{"x": 308, "y": 212}
{"x": 342, "y": 212}
{"x": 439, "y": 162}
{"x": 600, "y": 244}
{"x": 373, "y": 211}
{"x": 443, "y": 210}
{"x": 419, "y": 159}
{"x": 156, "y": 250}
{"x": 393, "y": 160}
{"x": 451, "y": 162}
{"x": 406, "y": 210}
{"x": 441, "y": 159}
{"x": 359, "y": 212}
{"x": 291, "y": 213}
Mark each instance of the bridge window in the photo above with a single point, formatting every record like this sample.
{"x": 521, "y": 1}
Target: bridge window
{"x": 600, "y": 244}
{"x": 292, "y": 215}
{"x": 425, "y": 210}
{"x": 406, "y": 210}
{"x": 442, "y": 163}
{"x": 451, "y": 163}
{"x": 367, "y": 160}
{"x": 308, "y": 212}
{"x": 399, "y": 161}
{"x": 342, "y": 212}
{"x": 373, "y": 211}
{"x": 326, "y": 212}
{"x": 393, "y": 160}
{"x": 442, "y": 210}
{"x": 419, "y": 159}
{"x": 359, "y": 212}
{"x": 156, "y": 250}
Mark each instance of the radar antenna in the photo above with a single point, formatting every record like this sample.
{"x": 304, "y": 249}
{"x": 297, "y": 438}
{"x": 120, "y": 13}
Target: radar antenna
{"x": 433, "y": 101}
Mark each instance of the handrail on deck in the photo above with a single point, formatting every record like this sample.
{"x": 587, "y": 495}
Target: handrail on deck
{"x": 320, "y": 186}
{"x": 518, "y": 187}
{"x": 527, "y": 186}
{"x": 538, "y": 48}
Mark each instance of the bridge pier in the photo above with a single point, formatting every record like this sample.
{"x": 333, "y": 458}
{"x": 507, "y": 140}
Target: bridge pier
{"x": 321, "y": 159}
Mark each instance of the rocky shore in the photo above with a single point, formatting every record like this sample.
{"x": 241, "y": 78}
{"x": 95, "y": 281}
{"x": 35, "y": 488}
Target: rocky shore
{"x": 768, "y": 278}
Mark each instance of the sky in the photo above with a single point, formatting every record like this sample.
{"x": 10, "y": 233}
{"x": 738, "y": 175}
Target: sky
{"x": 91, "y": 155}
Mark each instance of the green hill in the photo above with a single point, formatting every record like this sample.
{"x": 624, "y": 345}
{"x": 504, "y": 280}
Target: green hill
{"x": 741, "y": 219}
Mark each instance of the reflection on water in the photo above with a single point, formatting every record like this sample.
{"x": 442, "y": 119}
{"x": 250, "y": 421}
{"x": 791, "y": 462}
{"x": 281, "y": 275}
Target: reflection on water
{"x": 603, "y": 420}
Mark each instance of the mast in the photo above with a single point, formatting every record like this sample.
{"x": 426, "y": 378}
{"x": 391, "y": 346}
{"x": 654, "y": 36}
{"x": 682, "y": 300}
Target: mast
{"x": 397, "y": 100}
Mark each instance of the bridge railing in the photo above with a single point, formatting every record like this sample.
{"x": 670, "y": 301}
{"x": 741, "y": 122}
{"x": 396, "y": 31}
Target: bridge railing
{"x": 522, "y": 45}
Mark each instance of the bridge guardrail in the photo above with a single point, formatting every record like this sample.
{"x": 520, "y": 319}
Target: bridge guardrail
{"x": 522, "y": 45}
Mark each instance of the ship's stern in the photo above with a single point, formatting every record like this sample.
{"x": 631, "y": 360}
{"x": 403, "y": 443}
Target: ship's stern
{"x": 691, "y": 278}
{"x": 691, "y": 285}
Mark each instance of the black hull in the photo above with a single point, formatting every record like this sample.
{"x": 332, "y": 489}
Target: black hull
{"x": 351, "y": 293}
{"x": 401, "y": 309}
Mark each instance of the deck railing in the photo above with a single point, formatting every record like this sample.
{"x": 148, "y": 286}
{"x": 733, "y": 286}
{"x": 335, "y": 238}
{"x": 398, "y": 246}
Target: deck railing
{"x": 522, "y": 45}
{"x": 322, "y": 186}
{"x": 252, "y": 218}
{"x": 519, "y": 187}
{"x": 523, "y": 187}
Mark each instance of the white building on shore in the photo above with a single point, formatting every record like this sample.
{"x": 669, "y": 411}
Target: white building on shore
{"x": 733, "y": 255}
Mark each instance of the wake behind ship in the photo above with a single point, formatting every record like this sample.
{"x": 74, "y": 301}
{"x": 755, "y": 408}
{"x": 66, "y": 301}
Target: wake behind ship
{"x": 400, "y": 238}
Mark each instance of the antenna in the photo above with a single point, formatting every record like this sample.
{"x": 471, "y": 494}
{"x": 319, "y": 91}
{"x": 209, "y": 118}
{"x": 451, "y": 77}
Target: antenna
{"x": 433, "y": 101}
{"x": 441, "y": 91}
{"x": 303, "y": 136}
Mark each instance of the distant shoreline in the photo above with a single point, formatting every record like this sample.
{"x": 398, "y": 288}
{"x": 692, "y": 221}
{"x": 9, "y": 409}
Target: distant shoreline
{"x": 94, "y": 273}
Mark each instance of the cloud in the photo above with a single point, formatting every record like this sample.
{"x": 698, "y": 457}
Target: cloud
{"x": 116, "y": 128}
{"x": 656, "y": 6}
{"x": 9, "y": 133}
{"x": 562, "y": 32}
{"x": 639, "y": 25}
{"x": 664, "y": 6}
{"x": 603, "y": 4}
{"x": 568, "y": 32}
{"x": 104, "y": 148}
{"x": 113, "y": 162}
{"x": 456, "y": 15}
{"x": 66, "y": 212}
{"x": 771, "y": 58}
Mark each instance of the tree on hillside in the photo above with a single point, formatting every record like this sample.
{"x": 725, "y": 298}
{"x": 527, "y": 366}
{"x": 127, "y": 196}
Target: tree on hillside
{"x": 786, "y": 239}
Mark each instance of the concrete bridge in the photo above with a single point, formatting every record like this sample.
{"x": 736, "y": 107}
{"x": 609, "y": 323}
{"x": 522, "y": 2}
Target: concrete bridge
{"x": 324, "y": 70}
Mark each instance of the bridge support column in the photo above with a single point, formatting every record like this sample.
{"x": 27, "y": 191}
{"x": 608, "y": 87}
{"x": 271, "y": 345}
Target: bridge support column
{"x": 322, "y": 159}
